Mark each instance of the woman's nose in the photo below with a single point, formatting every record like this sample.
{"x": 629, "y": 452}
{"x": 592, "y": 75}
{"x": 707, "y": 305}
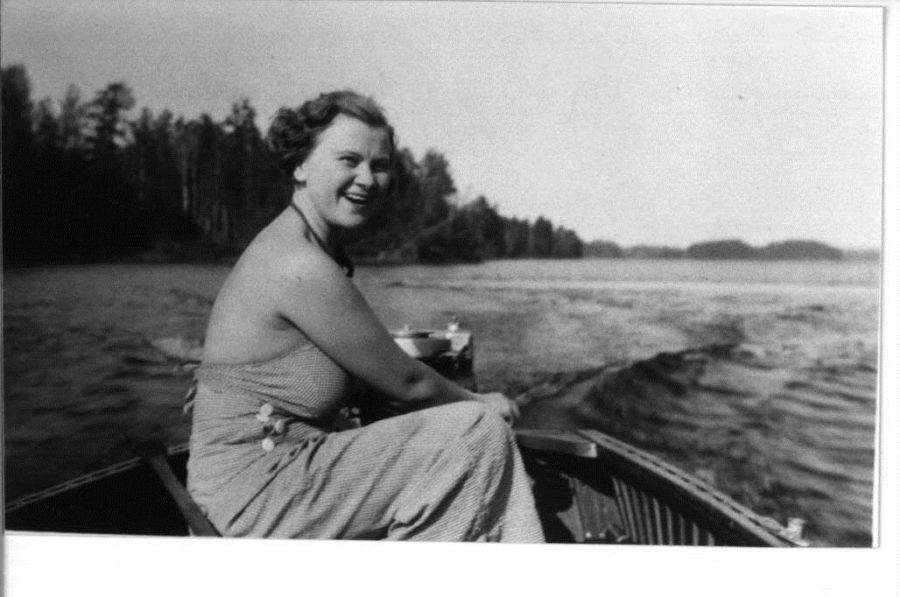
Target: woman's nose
{"x": 364, "y": 176}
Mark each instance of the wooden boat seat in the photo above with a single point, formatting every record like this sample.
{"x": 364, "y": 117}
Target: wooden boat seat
{"x": 590, "y": 487}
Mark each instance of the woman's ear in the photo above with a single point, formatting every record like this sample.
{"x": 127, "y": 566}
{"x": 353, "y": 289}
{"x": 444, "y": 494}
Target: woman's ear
{"x": 300, "y": 175}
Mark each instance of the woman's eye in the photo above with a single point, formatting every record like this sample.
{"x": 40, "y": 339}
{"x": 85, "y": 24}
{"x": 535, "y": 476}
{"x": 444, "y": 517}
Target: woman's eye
{"x": 349, "y": 160}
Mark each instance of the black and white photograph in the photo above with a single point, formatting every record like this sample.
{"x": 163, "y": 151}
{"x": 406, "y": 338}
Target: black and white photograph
{"x": 608, "y": 283}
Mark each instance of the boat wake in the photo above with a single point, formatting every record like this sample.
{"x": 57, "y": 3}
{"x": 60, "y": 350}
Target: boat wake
{"x": 786, "y": 436}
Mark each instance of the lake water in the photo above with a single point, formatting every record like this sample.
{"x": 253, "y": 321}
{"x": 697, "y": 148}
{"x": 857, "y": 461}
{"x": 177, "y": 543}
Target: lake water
{"x": 760, "y": 376}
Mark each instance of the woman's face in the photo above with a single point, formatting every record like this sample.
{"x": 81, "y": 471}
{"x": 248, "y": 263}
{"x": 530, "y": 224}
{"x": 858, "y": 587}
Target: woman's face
{"x": 347, "y": 171}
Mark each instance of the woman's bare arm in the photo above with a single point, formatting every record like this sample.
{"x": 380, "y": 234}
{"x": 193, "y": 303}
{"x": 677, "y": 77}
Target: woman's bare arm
{"x": 312, "y": 293}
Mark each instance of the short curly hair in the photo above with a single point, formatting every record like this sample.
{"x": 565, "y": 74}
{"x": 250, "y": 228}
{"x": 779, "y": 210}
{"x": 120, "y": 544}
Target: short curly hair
{"x": 294, "y": 131}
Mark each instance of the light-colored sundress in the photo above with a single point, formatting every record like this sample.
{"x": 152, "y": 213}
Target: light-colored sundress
{"x": 267, "y": 460}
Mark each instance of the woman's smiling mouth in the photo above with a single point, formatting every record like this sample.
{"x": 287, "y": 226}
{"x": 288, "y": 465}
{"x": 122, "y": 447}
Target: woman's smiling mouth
{"x": 360, "y": 198}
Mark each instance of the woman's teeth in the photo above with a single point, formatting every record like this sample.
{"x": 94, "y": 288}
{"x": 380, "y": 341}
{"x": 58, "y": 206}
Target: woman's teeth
{"x": 358, "y": 199}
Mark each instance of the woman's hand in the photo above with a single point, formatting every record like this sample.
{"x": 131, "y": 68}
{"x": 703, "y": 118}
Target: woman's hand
{"x": 499, "y": 403}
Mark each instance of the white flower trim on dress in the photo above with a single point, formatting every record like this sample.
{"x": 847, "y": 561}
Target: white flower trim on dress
{"x": 272, "y": 426}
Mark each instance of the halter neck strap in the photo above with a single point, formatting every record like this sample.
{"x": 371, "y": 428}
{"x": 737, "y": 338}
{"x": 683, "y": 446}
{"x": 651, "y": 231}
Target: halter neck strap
{"x": 340, "y": 256}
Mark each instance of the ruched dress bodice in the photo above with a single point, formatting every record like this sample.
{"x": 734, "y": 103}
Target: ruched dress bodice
{"x": 303, "y": 381}
{"x": 249, "y": 418}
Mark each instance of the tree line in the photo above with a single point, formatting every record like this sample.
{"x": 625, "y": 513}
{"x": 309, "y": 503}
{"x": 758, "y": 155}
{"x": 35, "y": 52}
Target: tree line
{"x": 83, "y": 181}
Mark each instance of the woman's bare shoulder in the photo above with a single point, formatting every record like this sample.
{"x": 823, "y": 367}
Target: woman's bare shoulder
{"x": 277, "y": 253}
{"x": 283, "y": 281}
{"x": 248, "y": 320}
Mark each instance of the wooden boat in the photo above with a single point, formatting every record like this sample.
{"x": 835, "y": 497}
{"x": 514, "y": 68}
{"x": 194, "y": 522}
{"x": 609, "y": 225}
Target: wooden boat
{"x": 589, "y": 488}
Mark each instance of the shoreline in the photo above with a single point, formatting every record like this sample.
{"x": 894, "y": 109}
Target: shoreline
{"x": 211, "y": 256}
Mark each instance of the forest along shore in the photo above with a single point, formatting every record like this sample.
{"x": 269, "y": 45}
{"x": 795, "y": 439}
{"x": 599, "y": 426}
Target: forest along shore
{"x": 759, "y": 378}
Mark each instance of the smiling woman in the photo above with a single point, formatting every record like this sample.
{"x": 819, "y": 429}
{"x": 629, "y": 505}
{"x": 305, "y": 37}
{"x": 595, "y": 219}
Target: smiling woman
{"x": 349, "y": 170}
{"x": 338, "y": 150}
{"x": 291, "y": 341}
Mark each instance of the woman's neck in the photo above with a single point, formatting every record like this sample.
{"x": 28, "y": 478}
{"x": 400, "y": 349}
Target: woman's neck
{"x": 319, "y": 229}
{"x": 326, "y": 236}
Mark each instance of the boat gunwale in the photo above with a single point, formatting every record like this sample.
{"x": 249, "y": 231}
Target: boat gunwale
{"x": 87, "y": 478}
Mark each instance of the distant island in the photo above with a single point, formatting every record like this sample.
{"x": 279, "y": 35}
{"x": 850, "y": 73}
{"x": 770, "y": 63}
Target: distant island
{"x": 729, "y": 249}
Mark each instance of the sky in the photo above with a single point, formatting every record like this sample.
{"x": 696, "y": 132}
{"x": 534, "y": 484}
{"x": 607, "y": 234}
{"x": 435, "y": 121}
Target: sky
{"x": 659, "y": 124}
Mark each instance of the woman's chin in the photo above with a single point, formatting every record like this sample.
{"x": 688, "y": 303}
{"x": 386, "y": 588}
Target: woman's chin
{"x": 354, "y": 220}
